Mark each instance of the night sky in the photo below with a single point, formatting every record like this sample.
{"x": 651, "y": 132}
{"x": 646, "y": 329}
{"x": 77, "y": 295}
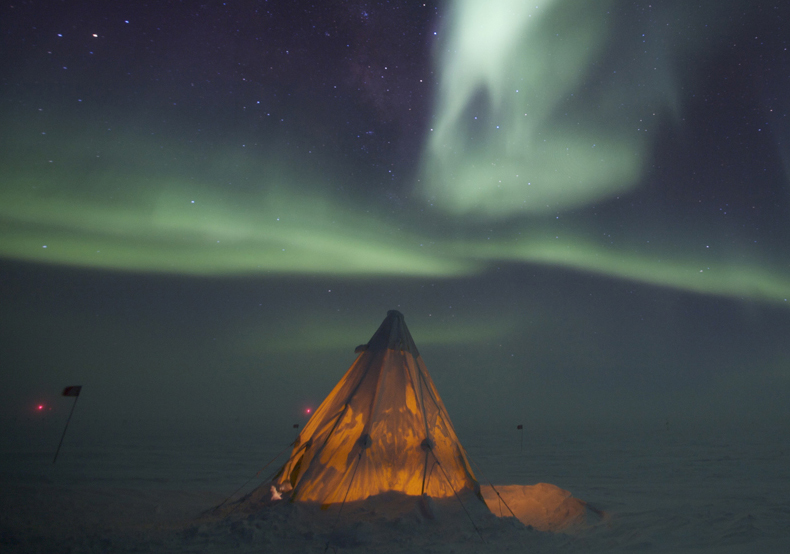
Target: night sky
{"x": 581, "y": 207}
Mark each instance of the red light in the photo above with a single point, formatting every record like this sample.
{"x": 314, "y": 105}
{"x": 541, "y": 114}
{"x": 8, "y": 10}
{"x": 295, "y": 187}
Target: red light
{"x": 308, "y": 410}
{"x": 41, "y": 407}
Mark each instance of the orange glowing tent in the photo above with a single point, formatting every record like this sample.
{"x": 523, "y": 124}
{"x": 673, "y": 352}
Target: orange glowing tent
{"x": 382, "y": 428}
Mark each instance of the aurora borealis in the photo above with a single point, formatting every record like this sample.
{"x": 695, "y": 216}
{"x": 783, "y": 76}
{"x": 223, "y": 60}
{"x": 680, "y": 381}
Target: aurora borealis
{"x": 475, "y": 165}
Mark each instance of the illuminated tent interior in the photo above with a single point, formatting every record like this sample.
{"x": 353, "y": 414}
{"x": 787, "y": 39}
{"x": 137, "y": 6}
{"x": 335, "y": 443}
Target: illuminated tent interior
{"x": 382, "y": 428}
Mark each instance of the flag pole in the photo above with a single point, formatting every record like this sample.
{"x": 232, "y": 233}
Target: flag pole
{"x": 521, "y": 430}
{"x": 68, "y": 391}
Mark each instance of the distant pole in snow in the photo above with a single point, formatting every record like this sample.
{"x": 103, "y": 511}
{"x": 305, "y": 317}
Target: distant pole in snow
{"x": 68, "y": 391}
{"x": 521, "y": 428}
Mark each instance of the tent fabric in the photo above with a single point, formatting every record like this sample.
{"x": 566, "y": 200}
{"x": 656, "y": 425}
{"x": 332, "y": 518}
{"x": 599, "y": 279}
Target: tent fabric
{"x": 382, "y": 428}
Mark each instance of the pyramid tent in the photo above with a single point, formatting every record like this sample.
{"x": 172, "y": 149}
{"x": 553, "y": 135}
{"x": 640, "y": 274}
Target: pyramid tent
{"x": 382, "y": 428}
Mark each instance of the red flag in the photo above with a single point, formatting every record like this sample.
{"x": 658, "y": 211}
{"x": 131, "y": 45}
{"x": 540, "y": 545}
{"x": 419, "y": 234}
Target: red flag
{"x": 520, "y": 427}
{"x": 72, "y": 391}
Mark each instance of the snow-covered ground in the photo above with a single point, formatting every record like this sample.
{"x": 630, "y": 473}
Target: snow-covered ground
{"x": 666, "y": 489}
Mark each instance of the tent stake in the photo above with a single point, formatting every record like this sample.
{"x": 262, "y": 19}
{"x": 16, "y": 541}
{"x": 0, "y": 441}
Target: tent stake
{"x": 521, "y": 428}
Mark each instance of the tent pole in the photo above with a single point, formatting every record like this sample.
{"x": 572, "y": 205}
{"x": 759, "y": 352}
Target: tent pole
{"x": 424, "y": 472}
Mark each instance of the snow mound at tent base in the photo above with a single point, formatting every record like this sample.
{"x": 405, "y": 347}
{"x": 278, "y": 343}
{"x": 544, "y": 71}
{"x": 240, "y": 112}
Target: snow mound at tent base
{"x": 389, "y": 522}
{"x": 42, "y": 517}
{"x": 543, "y": 506}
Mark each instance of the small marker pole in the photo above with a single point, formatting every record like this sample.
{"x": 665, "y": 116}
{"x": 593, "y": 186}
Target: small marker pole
{"x": 521, "y": 428}
{"x": 68, "y": 391}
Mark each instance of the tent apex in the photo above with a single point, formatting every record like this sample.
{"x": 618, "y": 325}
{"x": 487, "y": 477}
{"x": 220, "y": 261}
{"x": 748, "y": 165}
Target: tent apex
{"x": 392, "y": 334}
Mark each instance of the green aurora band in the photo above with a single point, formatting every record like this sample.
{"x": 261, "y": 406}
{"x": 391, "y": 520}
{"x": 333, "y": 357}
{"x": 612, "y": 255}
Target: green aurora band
{"x": 498, "y": 146}
{"x": 140, "y": 211}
